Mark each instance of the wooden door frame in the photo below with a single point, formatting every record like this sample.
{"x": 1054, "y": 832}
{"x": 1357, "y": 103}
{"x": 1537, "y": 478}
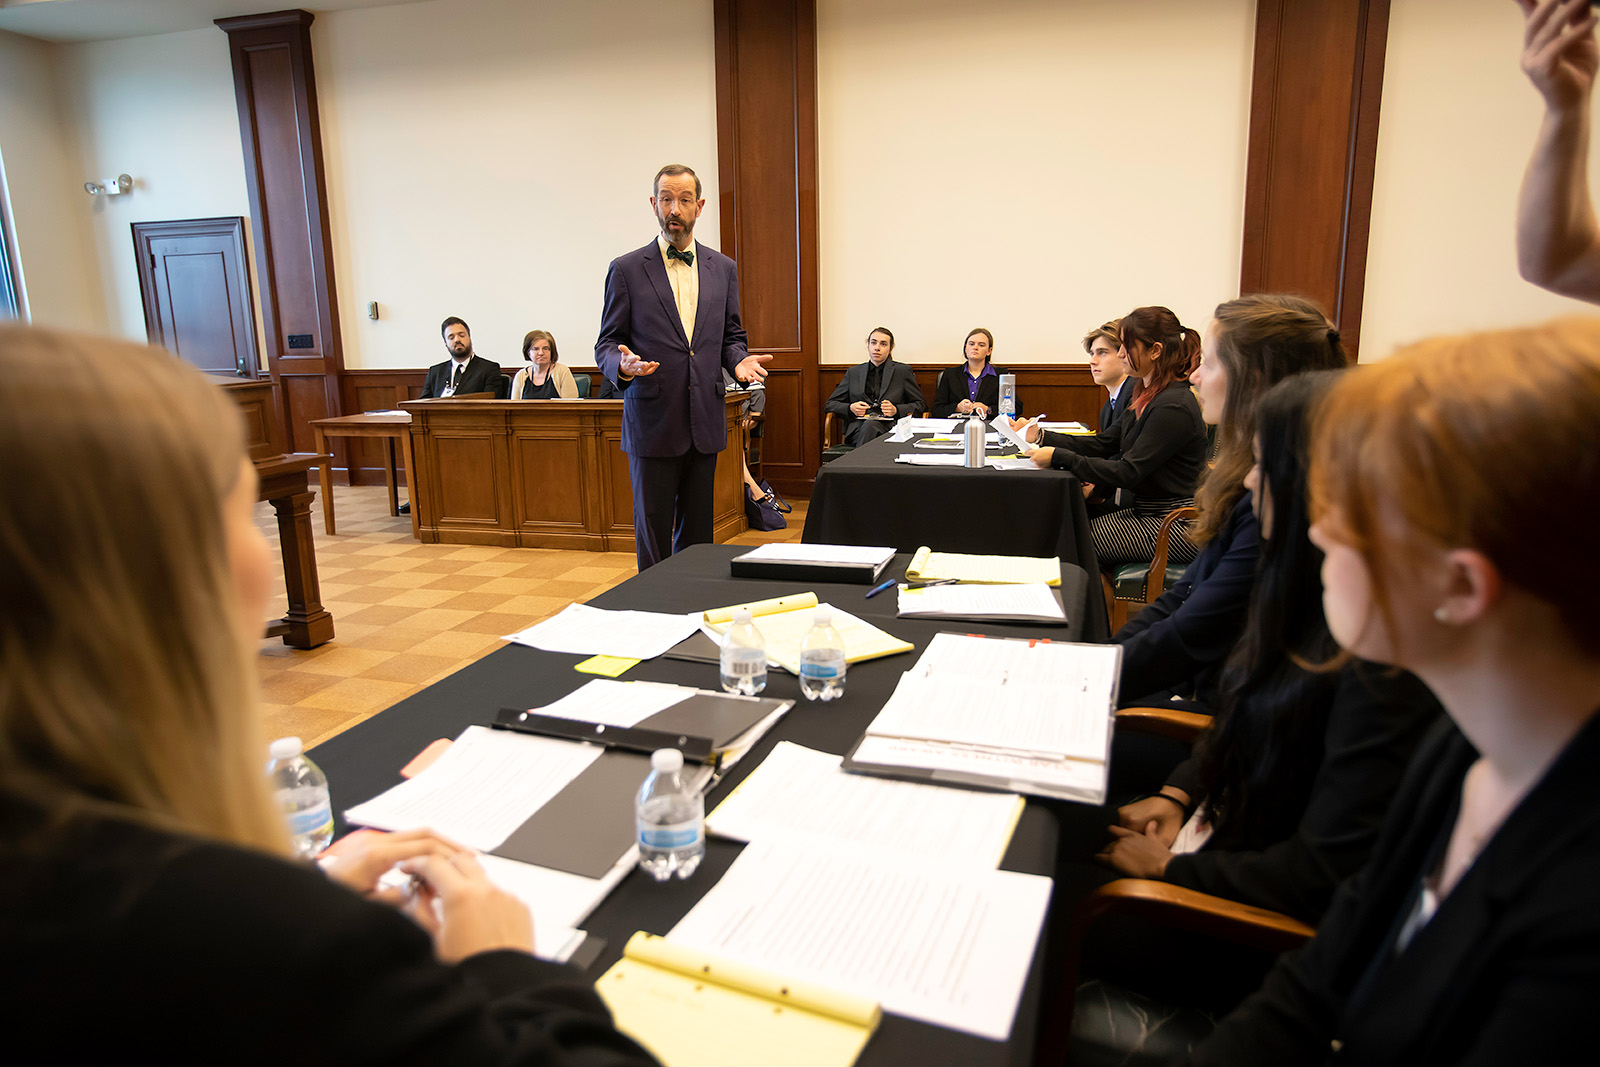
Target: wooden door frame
{"x": 230, "y": 227}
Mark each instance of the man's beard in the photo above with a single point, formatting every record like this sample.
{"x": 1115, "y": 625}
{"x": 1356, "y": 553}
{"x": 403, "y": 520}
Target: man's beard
{"x": 464, "y": 354}
{"x": 666, "y": 230}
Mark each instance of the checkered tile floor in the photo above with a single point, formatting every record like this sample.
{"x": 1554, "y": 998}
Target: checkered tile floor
{"x": 407, "y": 614}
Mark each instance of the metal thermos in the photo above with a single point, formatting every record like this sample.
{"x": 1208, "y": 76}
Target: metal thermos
{"x": 973, "y": 441}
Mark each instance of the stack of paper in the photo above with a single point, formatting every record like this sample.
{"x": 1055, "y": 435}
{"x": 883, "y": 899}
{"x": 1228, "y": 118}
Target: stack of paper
{"x": 813, "y": 562}
{"x": 586, "y": 631}
{"x": 1030, "y": 602}
{"x": 693, "y": 1008}
{"x": 799, "y": 792}
{"x": 784, "y": 623}
{"x": 1029, "y": 716}
{"x": 946, "y": 946}
{"x": 929, "y": 566}
{"x": 908, "y": 428}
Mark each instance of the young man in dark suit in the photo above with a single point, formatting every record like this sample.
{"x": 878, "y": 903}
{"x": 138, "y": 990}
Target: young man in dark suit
{"x": 1109, "y": 371}
{"x": 463, "y": 372}
{"x": 670, "y": 323}
{"x": 873, "y": 394}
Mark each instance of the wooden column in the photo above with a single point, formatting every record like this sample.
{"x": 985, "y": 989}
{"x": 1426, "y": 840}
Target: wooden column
{"x": 766, "y": 59}
{"x": 1315, "y": 96}
{"x": 276, "y": 91}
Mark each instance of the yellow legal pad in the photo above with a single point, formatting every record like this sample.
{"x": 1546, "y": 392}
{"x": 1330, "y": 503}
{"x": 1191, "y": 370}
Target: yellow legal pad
{"x": 785, "y": 621}
{"x": 929, "y": 566}
{"x": 691, "y": 1008}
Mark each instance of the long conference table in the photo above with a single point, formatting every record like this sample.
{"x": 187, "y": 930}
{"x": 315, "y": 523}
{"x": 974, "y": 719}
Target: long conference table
{"x": 366, "y": 759}
{"x": 866, "y": 497}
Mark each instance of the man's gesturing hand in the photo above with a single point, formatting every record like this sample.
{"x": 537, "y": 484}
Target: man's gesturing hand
{"x": 632, "y": 366}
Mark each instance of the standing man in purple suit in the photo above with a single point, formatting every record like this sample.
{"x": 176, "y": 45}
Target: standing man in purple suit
{"x": 671, "y": 322}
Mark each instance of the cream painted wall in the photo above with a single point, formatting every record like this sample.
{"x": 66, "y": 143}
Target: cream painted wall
{"x": 160, "y": 109}
{"x": 488, "y": 158}
{"x": 1032, "y": 166}
{"x": 48, "y": 208}
{"x": 1458, "y": 123}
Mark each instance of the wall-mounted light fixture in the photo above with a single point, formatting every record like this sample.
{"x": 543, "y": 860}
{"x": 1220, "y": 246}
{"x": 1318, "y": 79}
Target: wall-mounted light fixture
{"x": 109, "y": 186}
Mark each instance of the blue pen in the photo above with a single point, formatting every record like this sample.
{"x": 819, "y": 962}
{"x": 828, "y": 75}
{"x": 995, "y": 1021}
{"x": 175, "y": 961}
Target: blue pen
{"x": 875, "y": 590}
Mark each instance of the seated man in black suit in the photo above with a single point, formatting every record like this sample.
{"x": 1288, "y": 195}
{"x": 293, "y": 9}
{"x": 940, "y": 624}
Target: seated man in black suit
{"x": 463, "y": 372}
{"x": 875, "y": 393}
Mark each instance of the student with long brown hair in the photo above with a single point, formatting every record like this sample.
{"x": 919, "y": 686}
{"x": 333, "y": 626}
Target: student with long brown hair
{"x": 148, "y": 883}
{"x": 1157, "y": 455}
{"x": 1444, "y": 480}
{"x": 1176, "y": 646}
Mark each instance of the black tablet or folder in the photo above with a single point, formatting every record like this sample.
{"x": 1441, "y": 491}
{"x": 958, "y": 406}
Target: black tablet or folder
{"x": 809, "y": 570}
{"x": 587, "y": 826}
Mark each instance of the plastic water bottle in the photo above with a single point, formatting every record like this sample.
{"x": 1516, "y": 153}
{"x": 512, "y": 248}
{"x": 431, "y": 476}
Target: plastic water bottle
{"x": 744, "y": 656}
{"x": 1008, "y": 395}
{"x": 671, "y": 818}
{"x": 822, "y": 663}
{"x": 302, "y": 791}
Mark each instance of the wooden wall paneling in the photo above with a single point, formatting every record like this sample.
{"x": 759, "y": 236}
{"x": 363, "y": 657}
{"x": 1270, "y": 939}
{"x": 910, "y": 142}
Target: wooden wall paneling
{"x": 766, "y": 69}
{"x": 549, "y": 484}
{"x": 1316, "y": 90}
{"x": 280, "y": 132}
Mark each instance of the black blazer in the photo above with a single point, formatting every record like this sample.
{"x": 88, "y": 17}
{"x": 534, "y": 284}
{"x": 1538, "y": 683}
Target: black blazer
{"x": 1323, "y": 829}
{"x": 1180, "y": 642}
{"x": 953, "y": 390}
{"x": 1110, "y": 412}
{"x": 1159, "y": 455}
{"x": 1507, "y": 969}
{"x": 127, "y": 944}
{"x": 481, "y": 376}
{"x": 900, "y": 388}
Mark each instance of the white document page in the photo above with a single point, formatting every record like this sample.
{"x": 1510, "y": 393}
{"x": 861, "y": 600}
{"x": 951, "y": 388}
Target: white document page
{"x": 585, "y": 631}
{"x": 907, "y": 428}
{"x": 616, "y": 703}
{"x": 859, "y": 555}
{"x": 1012, "y": 463}
{"x": 1020, "y": 717}
{"x": 936, "y": 459}
{"x": 558, "y": 900}
{"x": 1066, "y": 427}
{"x": 1085, "y": 779}
{"x": 980, "y": 600}
{"x": 1002, "y": 427}
{"x": 484, "y": 786}
{"x": 800, "y": 790}
{"x": 949, "y": 948}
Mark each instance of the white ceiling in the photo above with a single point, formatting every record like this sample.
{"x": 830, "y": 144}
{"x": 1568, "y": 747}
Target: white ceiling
{"x": 105, "y": 20}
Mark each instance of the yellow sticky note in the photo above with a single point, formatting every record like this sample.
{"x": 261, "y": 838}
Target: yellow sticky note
{"x": 610, "y": 666}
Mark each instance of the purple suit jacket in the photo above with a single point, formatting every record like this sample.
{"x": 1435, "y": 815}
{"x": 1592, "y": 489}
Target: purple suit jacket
{"x": 680, "y": 406}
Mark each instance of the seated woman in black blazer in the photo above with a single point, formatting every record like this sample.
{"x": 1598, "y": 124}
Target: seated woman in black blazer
{"x": 1157, "y": 455}
{"x": 1282, "y": 799}
{"x": 1444, "y": 479}
{"x": 1176, "y": 645}
{"x": 973, "y": 387}
{"x": 150, "y": 909}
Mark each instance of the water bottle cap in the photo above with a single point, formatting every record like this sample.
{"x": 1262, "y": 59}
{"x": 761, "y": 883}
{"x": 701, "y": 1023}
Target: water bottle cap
{"x": 285, "y": 748}
{"x": 822, "y": 617}
{"x": 741, "y": 616}
{"x": 666, "y": 760}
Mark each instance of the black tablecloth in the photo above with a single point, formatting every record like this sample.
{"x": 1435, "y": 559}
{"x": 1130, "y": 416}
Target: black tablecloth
{"x": 865, "y": 498}
{"x": 366, "y": 759}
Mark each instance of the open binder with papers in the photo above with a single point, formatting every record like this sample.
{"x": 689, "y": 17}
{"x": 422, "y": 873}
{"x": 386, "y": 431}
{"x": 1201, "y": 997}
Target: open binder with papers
{"x": 1032, "y": 602}
{"x": 555, "y": 790}
{"x": 1024, "y": 716}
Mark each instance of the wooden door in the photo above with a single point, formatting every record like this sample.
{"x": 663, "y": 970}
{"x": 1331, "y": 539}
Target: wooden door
{"x": 195, "y": 287}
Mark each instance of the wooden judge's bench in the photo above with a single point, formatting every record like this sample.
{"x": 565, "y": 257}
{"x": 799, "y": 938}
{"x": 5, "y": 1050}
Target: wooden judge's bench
{"x": 541, "y": 474}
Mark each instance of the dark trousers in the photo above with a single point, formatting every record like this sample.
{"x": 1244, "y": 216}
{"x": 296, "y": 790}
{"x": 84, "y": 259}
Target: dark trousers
{"x": 671, "y": 503}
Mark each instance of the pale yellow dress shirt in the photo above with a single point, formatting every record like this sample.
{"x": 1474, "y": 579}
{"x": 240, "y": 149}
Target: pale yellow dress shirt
{"x": 685, "y": 281}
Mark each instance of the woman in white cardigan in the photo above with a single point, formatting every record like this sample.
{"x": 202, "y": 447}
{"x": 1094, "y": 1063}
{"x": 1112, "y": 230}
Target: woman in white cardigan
{"x": 544, "y": 378}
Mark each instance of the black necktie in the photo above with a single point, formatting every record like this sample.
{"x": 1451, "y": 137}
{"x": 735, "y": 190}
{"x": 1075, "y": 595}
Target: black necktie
{"x": 455, "y": 379}
{"x": 687, "y": 255}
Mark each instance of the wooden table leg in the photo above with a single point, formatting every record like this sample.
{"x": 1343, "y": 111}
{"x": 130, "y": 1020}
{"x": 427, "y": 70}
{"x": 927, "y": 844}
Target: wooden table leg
{"x": 411, "y": 484}
{"x": 388, "y": 475}
{"x": 309, "y": 623}
{"x": 325, "y": 477}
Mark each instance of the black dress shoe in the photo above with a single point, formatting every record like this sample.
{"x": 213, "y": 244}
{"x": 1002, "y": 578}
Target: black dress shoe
{"x": 405, "y": 509}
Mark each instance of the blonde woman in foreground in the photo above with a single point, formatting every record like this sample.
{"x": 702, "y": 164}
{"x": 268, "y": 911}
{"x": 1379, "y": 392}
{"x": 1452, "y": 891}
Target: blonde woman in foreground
{"x": 149, "y": 906}
{"x": 1445, "y": 482}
